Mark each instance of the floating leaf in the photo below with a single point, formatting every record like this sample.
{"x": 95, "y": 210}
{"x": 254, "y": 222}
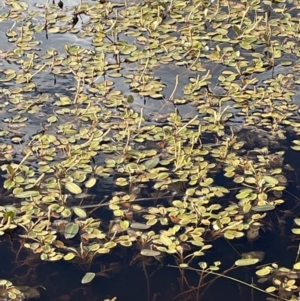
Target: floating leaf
{"x": 237, "y": 30}
{"x": 183, "y": 265}
{"x": 88, "y": 277}
{"x": 296, "y": 230}
{"x": 27, "y": 194}
{"x": 271, "y": 289}
{"x": 110, "y": 245}
{"x": 69, "y": 256}
{"x": 73, "y": 188}
{"x": 296, "y": 147}
{"x": 271, "y": 180}
{"x": 167, "y": 241}
{"x": 10, "y": 170}
{"x": 202, "y": 265}
{"x": 80, "y": 212}
{"x": 90, "y": 182}
{"x": 263, "y": 272}
{"x": 124, "y": 224}
{"x": 250, "y": 180}
{"x": 297, "y": 266}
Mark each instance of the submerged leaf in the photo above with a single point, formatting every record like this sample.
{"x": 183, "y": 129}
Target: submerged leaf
{"x": 148, "y": 252}
{"x": 88, "y": 277}
{"x": 139, "y": 226}
{"x": 151, "y": 163}
{"x": 263, "y": 208}
{"x": 71, "y": 230}
{"x": 246, "y": 262}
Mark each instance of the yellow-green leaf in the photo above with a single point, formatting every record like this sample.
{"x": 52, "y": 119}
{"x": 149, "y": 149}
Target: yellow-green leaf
{"x": 167, "y": 241}
{"x": 73, "y": 188}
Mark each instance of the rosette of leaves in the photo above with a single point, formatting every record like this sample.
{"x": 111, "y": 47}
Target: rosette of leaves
{"x": 259, "y": 178}
{"x": 282, "y": 280}
{"x": 10, "y": 292}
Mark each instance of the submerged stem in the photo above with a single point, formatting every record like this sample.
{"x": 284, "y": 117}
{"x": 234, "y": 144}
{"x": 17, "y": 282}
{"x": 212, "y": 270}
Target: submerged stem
{"x": 147, "y": 280}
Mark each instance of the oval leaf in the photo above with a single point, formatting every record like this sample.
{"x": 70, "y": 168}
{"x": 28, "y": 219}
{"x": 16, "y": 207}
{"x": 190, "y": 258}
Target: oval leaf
{"x": 139, "y": 226}
{"x": 263, "y": 208}
{"x": 27, "y": 194}
{"x": 246, "y": 262}
{"x": 151, "y": 163}
{"x": 151, "y": 253}
{"x": 167, "y": 241}
{"x": 90, "y": 183}
{"x": 88, "y": 277}
{"x": 73, "y": 188}
{"x": 79, "y": 212}
{"x": 71, "y": 230}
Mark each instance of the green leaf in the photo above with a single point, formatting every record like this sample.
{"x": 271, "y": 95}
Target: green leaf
{"x": 73, "y": 188}
{"x": 250, "y": 180}
{"x": 90, "y": 182}
{"x": 139, "y": 226}
{"x": 263, "y": 208}
{"x": 297, "y": 266}
{"x": 271, "y": 180}
{"x": 10, "y": 170}
{"x": 244, "y": 193}
{"x": 151, "y": 253}
{"x": 167, "y": 241}
{"x": 237, "y": 30}
{"x": 124, "y": 224}
{"x": 130, "y": 99}
{"x": 151, "y": 163}
{"x": 296, "y": 147}
{"x": 69, "y": 256}
{"x": 71, "y": 230}
{"x": 297, "y": 142}
{"x": 246, "y": 262}
{"x": 79, "y": 212}
{"x": 88, "y": 277}
{"x": 110, "y": 245}
{"x": 183, "y": 265}
{"x": 27, "y": 194}
{"x": 296, "y": 230}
